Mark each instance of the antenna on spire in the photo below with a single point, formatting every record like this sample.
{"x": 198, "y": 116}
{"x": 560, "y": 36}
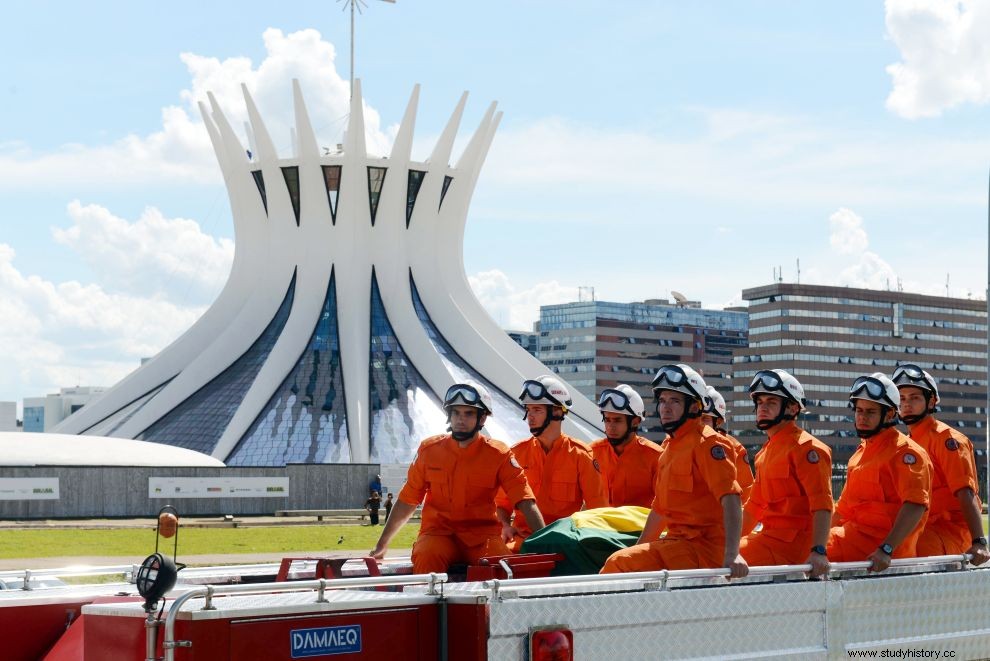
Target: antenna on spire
{"x": 359, "y": 5}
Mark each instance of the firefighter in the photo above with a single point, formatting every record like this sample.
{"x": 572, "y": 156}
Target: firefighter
{"x": 696, "y": 497}
{"x": 561, "y": 471}
{"x": 955, "y": 521}
{"x": 458, "y": 473}
{"x": 714, "y": 416}
{"x": 792, "y": 496}
{"x": 627, "y": 460}
{"x": 883, "y": 507}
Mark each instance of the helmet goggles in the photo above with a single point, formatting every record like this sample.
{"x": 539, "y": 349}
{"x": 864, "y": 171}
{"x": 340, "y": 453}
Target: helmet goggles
{"x": 617, "y": 400}
{"x": 912, "y": 375}
{"x": 672, "y": 374}
{"x": 535, "y": 390}
{"x": 468, "y": 395}
{"x": 875, "y": 390}
{"x": 767, "y": 381}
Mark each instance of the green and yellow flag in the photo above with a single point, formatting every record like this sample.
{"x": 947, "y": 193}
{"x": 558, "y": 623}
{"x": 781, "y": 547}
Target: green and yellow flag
{"x": 588, "y": 538}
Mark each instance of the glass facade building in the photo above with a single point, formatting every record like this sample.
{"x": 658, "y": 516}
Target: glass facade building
{"x": 828, "y": 336}
{"x": 598, "y": 344}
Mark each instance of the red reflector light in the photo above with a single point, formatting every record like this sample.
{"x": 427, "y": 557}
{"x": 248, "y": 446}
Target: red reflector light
{"x": 551, "y": 645}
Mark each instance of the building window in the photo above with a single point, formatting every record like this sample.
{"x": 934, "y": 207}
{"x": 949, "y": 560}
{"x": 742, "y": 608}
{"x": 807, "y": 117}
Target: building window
{"x": 259, "y": 180}
{"x": 443, "y": 192}
{"x": 415, "y": 182}
{"x": 291, "y": 176}
{"x": 376, "y": 179}
{"x": 331, "y": 178}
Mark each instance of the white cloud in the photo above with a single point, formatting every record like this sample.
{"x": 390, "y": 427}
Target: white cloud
{"x": 153, "y": 255}
{"x": 945, "y": 55}
{"x": 517, "y": 309}
{"x": 58, "y": 334}
{"x": 847, "y": 233}
{"x": 181, "y": 151}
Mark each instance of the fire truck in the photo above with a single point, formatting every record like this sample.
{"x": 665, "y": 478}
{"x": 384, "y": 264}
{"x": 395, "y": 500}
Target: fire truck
{"x": 356, "y": 608}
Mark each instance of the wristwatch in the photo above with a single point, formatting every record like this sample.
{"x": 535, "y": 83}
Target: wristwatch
{"x": 982, "y": 541}
{"x": 887, "y": 548}
{"x": 819, "y": 549}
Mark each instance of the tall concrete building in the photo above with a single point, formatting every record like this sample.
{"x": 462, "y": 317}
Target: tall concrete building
{"x": 828, "y": 336}
{"x": 597, "y": 344}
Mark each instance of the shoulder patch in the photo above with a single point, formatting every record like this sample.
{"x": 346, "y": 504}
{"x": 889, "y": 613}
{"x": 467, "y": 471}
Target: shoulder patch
{"x": 594, "y": 462}
{"x": 910, "y": 459}
{"x": 813, "y": 457}
{"x": 951, "y": 444}
{"x": 718, "y": 452}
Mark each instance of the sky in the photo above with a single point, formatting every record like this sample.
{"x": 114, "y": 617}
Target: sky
{"x": 645, "y": 147}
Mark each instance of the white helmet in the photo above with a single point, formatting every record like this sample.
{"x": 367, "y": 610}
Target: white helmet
{"x": 683, "y": 379}
{"x": 468, "y": 393}
{"x": 876, "y": 387}
{"x": 622, "y": 399}
{"x": 909, "y": 374}
{"x": 715, "y": 406}
{"x": 777, "y": 382}
{"x": 546, "y": 389}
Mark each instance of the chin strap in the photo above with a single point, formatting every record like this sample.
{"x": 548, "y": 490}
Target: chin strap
{"x": 764, "y": 425}
{"x": 870, "y": 433}
{"x": 466, "y": 435}
{"x": 671, "y": 427}
{"x": 915, "y": 419}
{"x": 536, "y": 431}
{"x": 630, "y": 429}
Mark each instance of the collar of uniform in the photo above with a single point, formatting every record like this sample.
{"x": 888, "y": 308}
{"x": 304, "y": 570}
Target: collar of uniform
{"x": 787, "y": 430}
{"x": 888, "y": 435}
{"x": 926, "y": 425}
{"x": 690, "y": 426}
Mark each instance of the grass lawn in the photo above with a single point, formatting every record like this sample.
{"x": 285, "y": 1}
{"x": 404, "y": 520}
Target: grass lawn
{"x": 196, "y": 541}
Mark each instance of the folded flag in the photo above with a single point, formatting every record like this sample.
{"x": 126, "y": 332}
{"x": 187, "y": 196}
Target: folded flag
{"x": 588, "y": 538}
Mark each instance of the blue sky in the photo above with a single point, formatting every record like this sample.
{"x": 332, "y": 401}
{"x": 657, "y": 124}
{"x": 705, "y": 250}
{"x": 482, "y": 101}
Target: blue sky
{"x": 645, "y": 147}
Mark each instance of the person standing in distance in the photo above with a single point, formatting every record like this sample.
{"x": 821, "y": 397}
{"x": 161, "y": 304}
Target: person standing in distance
{"x": 792, "y": 496}
{"x": 459, "y": 474}
{"x": 627, "y": 460}
{"x": 883, "y": 507}
{"x": 560, "y": 470}
{"x": 955, "y": 519}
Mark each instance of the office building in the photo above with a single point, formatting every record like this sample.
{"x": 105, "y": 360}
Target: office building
{"x": 44, "y": 413}
{"x": 596, "y": 344}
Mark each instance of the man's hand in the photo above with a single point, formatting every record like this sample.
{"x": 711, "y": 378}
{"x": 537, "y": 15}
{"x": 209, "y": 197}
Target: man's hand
{"x": 508, "y": 532}
{"x": 979, "y": 553}
{"x": 819, "y": 564}
{"x": 879, "y": 560}
{"x": 378, "y": 553}
{"x": 737, "y": 566}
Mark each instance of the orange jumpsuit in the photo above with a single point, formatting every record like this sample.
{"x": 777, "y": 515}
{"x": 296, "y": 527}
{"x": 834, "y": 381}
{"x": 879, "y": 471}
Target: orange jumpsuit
{"x": 953, "y": 468}
{"x": 744, "y": 473}
{"x": 628, "y": 477}
{"x": 793, "y": 480}
{"x": 885, "y": 472}
{"x": 563, "y": 480}
{"x": 459, "y": 484}
{"x": 696, "y": 470}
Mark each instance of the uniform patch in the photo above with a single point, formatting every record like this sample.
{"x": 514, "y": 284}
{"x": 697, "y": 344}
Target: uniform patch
{"x": 813, "y": 457}
{"x": 718, "y": 452}
{"x": 951, "y": 444}
{"x": 594, "y": 462}
{"x": 513, "y": 462}
{"x": 910, "y": 459}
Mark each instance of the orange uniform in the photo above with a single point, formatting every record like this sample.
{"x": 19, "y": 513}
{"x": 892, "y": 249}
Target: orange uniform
{"x": 744, "y": 473}
{"x": 460, "y": 484}
{"x": 696, "y": 470}
{"x": 885, "y": 472}
{"x": 793, "y": 480}
{"x": 629, "y": 477}
{"x": 953, "y": 468}
{"x": 563, "y": 480}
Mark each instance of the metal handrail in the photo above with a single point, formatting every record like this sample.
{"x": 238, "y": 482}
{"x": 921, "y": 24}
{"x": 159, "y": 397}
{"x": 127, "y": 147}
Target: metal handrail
{"x": 665, "y": 575}
{"x": 209, "y": 591}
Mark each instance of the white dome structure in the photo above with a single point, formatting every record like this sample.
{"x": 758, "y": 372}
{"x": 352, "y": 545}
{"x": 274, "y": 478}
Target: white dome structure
{"x": 39, "y": 449}
{"x": 347, "y": 313}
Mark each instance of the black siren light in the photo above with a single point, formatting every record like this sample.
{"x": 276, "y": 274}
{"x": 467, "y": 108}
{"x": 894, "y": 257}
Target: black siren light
{"x": 158, "y": 573}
